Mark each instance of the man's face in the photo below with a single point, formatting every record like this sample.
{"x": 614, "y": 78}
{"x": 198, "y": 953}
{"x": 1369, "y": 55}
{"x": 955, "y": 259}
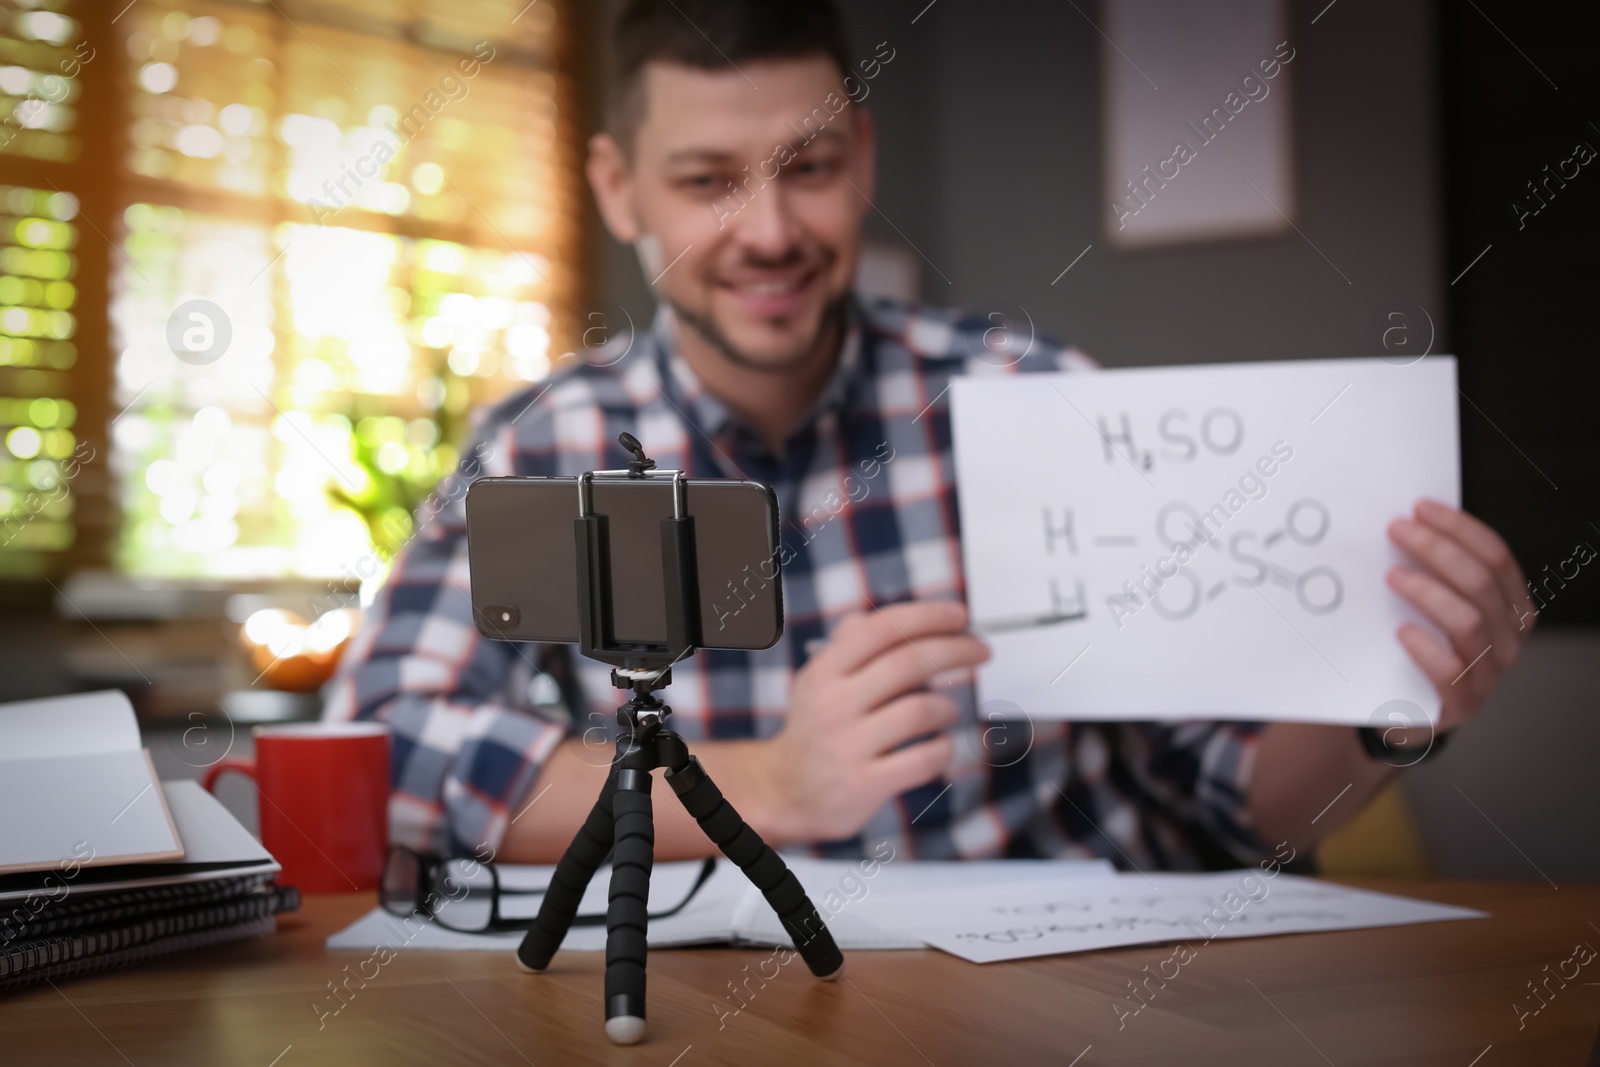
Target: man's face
{"x": 752, "y": 198}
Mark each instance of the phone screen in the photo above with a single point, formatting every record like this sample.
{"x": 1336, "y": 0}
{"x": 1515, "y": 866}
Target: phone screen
{"x": 522, "y": 552}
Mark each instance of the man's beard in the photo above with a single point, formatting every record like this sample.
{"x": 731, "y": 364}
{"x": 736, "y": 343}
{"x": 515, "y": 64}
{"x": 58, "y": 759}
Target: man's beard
{"x": 833, "y": 315}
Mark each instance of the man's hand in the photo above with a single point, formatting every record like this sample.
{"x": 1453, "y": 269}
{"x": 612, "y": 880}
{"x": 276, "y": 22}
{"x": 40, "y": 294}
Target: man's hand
{"x": 853, "y": 704}
{"x": 1469, "y": 585}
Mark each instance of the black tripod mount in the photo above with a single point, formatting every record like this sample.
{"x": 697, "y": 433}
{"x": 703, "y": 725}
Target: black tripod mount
{"x": 621, "y": 822}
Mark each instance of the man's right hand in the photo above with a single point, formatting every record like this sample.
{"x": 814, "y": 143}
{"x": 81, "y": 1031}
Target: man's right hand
{"x": 852, "y": 706}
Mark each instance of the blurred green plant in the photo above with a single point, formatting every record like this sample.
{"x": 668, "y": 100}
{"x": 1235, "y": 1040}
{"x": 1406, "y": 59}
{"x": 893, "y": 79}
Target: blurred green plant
{"x": 403, "y": 459}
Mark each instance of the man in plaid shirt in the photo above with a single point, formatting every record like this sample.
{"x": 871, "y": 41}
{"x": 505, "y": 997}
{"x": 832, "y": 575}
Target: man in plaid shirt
{"x": 859, "y": 726}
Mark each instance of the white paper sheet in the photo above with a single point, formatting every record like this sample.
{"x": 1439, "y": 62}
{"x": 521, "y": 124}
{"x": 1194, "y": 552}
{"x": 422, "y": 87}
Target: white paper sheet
{"x": 983, "y": 912}
{"x": 82, "y": 724}
{"x": 706, "y": 919}
{"x": 76, "y": 787}
{"x": 839, "y": 889}
{"x": 1129, "y": 556}
{"x": 1032, "y": 918}
{"x": 728, "y": 908}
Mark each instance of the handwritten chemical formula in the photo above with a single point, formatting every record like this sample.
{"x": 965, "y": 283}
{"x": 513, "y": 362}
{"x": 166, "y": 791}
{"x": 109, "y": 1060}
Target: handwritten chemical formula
{"x": 1183, "y": 436}
{"x": 1176, "y": 592}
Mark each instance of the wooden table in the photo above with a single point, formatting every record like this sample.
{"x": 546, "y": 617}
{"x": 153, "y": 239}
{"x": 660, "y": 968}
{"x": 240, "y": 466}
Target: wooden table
{"x": 1440, "y": 993}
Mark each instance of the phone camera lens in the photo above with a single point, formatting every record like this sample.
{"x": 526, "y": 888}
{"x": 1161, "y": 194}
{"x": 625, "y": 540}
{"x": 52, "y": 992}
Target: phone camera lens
{"x": 501, "y": 616}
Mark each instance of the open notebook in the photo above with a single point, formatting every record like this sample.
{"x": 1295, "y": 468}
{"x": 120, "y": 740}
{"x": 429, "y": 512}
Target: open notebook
{"x": 216, "y": 847}
{"x": 728, "y": 909}
{"x": 77, "y": 787}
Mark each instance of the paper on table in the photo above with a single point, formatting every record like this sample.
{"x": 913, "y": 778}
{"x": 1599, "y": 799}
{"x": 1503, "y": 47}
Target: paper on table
{"x": 1036, "y": 918}
{"x": 706, "y": 919}
{"x": 839, "y": 888}
{"x": 728, "y": 908}
{"x": 77, "y": 788}
{"x": 1202, "y": 542}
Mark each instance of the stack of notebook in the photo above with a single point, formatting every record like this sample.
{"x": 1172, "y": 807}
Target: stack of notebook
{"x": 101, "y": 865}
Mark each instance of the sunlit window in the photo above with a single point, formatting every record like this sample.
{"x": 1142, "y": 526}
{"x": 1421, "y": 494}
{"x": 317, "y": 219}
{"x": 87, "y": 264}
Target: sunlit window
{"x": 36, "y": 300}
{"x": 41, "y": 54}
{"x": 345, "y": 225}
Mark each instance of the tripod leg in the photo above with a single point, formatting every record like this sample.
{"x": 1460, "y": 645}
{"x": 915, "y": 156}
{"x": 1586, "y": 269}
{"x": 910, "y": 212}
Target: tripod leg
{"x": 578, "y": 864}
{"x": 764, "y": 867}
{"x": 627, "y": 916}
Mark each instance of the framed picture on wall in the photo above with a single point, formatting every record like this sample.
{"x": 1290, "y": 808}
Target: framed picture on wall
{"x": 1197, "y": 128}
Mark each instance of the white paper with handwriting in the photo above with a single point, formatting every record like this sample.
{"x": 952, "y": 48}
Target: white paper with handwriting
{"x": 1042, "y": 919}
{"x": 1198, "y": 542}
{"x": 728, "y": 909}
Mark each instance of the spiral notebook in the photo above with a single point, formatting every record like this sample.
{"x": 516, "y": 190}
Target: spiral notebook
{"x": 166, "y": 929}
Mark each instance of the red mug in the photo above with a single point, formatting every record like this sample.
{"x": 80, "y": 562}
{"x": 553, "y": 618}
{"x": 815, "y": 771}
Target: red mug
{"x": 324, "y": 801}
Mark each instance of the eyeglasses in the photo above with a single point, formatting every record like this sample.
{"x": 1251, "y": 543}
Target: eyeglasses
{"x": 464, "y": 894}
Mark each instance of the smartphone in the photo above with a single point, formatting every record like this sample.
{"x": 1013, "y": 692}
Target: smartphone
{"x": 523, "y": 556}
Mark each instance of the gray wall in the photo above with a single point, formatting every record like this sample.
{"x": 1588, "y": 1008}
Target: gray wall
{"x": 989, "y": 163}
{"x": 1516, "y": 797}
{"x": 992, "y": 166}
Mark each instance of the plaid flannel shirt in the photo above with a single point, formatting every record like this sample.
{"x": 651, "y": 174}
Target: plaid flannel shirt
{"x": 868, "y": 517}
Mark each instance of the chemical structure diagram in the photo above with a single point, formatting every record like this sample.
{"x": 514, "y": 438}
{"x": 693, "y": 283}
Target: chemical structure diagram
{"x": 1202, "y": 553}
{"x": 1202, "y": 561}
{"x": 1318, "y": 590}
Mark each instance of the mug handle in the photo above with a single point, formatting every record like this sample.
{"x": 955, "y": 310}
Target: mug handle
{"x": 221, "y": 767}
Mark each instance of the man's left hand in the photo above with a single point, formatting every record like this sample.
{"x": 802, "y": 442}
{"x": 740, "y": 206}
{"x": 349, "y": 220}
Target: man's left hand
{"x": 1465, "y": 580}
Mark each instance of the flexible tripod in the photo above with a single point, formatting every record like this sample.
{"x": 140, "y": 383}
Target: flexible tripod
{"x": 623, "y": 815}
